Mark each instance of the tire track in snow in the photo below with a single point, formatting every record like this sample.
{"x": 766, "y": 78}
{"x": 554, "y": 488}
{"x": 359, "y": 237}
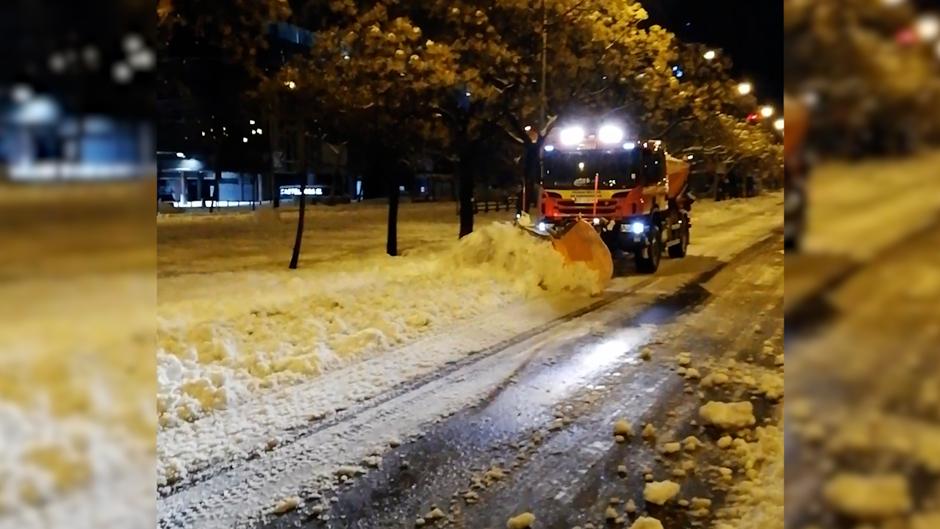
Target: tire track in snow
{"x": 235, "y": 495}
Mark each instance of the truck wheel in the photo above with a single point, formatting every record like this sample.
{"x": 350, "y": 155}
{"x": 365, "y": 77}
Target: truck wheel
{"x": 649, "y": 265}
{"x": 679, "y": 250}
{"x": 611, "y": 241}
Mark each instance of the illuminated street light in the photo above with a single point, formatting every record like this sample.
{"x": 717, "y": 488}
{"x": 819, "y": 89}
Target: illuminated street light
{"x": 251, "y": 122}
{"x": 244, "y": 140}
{"x": 290, "y": 84}
{"x": 766, "y": 111}
{"x": 710, "y": 55}
{"x": 745, "y": 88}
{"x": 927, "y": 27}
{"x": 778, "y": 124}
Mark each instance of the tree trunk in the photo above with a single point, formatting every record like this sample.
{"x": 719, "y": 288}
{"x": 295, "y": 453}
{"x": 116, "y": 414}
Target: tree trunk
{"x": 275, "y": 192}
{"x": 299, "y": 237}
{"x": 531, "y": 174}
{"x": 302, "y": 162}
{"x": 394, "y": 193}
{"x": 217, "y": 188}
{"x": 217, "y": 158}
{"x": 465, "y": 192}
{"x": 273, "y": 138}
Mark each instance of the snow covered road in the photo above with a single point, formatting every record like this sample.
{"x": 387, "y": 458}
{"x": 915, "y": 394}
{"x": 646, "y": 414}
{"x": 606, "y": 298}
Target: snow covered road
{"x": 229, "y": 467}
{"x": 547, "y": 427}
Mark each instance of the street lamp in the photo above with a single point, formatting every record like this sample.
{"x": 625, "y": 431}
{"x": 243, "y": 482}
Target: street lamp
{"x": 244, "y": 140}
{"x": 778, "y": 124}
{"x": 710, "y": 55}
{"x": 745, "y": 88}
{"x": 290, "y": 84}
{"x": 766, "y": 111}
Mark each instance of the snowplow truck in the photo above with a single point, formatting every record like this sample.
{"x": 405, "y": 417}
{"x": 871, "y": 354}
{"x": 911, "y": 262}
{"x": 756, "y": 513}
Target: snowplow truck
{"x": 632, "y": 193}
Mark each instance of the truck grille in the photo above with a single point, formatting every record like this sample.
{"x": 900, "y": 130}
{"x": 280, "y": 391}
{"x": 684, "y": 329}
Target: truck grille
{"x": 571, "y": 208}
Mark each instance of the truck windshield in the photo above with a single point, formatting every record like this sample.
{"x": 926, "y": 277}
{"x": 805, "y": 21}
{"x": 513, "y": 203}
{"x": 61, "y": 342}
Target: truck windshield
{"x": 576, "y": 170}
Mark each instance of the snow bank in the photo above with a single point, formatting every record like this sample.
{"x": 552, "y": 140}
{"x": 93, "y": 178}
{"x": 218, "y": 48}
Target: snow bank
{"x": 57, "y": 471}
{"x": 283, "y": 327}
{"x": 515, "y": 256}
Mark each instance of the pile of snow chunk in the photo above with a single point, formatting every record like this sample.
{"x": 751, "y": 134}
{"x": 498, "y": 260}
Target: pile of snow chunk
{"x": 868, "y": 497}
{"x": 645, "y": 522}
{"x": 218, "y": 349}
{"x": 521, "y": 521}
{"x": 728, "y": 415}
{"x": 510, "y": 254}
{"x": 659, "y": 492}
{"x": 756, "y": 502}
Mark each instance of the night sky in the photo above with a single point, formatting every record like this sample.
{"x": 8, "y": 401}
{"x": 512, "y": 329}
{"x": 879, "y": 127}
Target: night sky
{"x": 750, "y": 31}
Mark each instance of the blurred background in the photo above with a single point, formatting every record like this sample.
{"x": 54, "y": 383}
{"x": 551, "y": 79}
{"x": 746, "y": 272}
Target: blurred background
{"x": 862, "y": 303}
{"x": 77, "y": 287}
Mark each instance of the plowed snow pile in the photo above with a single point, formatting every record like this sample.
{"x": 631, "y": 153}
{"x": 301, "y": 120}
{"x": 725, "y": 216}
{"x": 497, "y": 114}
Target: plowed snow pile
{"x": 514, "y": 256}
{"x": 281, "y": 326}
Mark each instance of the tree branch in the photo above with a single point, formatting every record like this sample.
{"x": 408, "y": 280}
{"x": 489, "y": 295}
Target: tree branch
{"x": 513, "y": 136}
{"x": 673, "y": 125}
{"x": 549, "y": 125}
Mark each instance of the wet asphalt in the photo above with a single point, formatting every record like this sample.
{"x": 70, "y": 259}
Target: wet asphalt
{"x": 548, "y": 427}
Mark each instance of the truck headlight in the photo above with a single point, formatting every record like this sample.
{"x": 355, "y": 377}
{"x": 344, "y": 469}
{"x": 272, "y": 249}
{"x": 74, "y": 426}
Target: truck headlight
{"x": 610, "y": 134}
{"x": 637, "y": 227}
{"x": 571, "y": 136}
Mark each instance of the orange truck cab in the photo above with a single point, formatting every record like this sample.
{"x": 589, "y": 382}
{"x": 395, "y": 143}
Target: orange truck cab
{"x": 633, "y": 193}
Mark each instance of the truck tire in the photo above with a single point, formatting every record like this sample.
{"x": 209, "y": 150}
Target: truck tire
{"x": 677, "y": 251}
{"x": 649, "y": 265}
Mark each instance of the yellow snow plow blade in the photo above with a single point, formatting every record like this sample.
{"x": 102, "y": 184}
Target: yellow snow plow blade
{"x": 582, "y": 244}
